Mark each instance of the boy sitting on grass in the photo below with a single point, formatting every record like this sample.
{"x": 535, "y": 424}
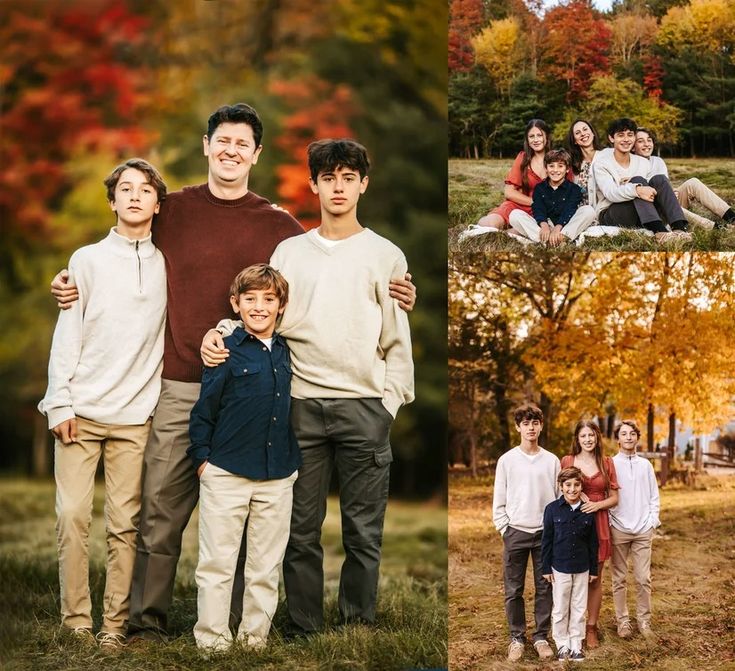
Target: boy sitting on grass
{"x": 557, "y": 215}
{"x": 246, "y": 457}
{"x": 104, "y": 378}
{"x": 569, "y": 556}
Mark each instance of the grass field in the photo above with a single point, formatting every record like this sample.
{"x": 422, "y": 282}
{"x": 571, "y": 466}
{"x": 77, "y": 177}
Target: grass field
{"x": 475, "y": 187}
{"x": 693, "y": 573}
{"x": 410, "y": 632}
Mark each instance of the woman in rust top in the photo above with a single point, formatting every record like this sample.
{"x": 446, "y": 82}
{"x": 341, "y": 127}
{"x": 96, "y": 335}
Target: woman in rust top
{"x": 600, "y": 485}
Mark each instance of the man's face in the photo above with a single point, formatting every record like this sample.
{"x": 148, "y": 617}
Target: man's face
{"x": 231, "y": 152}
{"x": 571, "y": 489}
{"x": 556, "y": 170}
{"x": 643, "y": 144}
{"x": 627, "y": 438}
{"x": 136, "y": 200}
{"x": 339, "y": 190}
{"x": 623, "y": 141}
{"x": 530, "y": 429}
{"x": 259, "y": 310}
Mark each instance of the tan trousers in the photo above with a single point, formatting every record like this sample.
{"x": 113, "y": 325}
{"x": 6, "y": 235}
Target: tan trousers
{"x": 638, "y": 548}
{"x": 74, "y": 467}
{"x": 526, "y": 224}
{"x": 226, "y": 502}
{"x": 569, "y": 592}
{"x": 694, "y": 190}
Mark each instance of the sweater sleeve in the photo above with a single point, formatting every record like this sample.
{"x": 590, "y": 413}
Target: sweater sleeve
{"x": 547, "y": 541}
{"x": 608, "y": 185}
{"x": 204, "y": 414}
{"x": 66, "y": 350}
{"x": 538, "y": 205}
{"x": 500, "y": 514}
{"x": 395, "y": 342}
{"x": 572, "y": 203}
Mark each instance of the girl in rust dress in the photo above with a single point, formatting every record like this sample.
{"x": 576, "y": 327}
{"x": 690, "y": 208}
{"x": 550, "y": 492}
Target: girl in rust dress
{"x": 600, "y": 485}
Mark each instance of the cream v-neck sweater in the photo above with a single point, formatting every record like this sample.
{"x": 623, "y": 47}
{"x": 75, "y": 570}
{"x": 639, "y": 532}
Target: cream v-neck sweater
{"x": 107, "y": 350}
{"x": 348, "y": 337}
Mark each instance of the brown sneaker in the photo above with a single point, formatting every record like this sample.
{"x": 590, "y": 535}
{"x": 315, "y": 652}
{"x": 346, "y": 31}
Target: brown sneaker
{"x": 591, "y": 640}
{"x": 515, "y": 650}
{"x": 624, "y": 629}
{"x": 543, "y": 649}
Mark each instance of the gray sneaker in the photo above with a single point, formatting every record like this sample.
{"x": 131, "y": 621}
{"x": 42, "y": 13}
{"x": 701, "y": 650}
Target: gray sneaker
{"x": 515, "y": 650}
{"x": 110, "y": 642}
{"x": 576, "y": 656}
{"x": 646, "y": 631}
{"x": 563, "y": 653}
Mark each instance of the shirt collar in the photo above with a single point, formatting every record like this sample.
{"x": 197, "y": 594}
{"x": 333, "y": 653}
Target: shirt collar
{"x": 241, "y": 335}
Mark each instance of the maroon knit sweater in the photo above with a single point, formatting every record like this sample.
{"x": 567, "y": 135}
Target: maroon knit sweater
{"x": 206, "y": 241}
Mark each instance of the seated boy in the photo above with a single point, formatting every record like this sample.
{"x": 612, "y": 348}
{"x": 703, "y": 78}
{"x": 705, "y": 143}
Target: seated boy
{"x": 627, "y": 196}
{"x": 246, "y": 457}
{"x": 569, "y": 556}
{"x": 690, "y": 190}
{"x": 525, "y": 483}
{"x": 104, "y": 380}
{"x": 557, "y": 214}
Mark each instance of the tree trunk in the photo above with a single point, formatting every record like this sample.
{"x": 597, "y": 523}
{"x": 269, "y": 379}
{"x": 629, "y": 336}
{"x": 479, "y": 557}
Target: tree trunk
{"x": 698, "y": 454}
{"x": 545, "y": 405}
{"x": 649, "y": 428}
{"x": 40, "y": 461}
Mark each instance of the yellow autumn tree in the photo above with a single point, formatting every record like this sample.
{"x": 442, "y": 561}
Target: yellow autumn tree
{"x": 497, "y": 49}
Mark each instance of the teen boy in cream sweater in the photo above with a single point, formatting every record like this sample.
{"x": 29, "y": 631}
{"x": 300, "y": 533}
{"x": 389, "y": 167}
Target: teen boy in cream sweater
{"x": 525, "y": 483}
{"x": 352, "y": 369}
{"x": 104, "y": 381}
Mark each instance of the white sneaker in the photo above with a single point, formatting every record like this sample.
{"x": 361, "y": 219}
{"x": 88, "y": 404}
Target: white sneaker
{"x": 473, "y": 230}
{"x": 110, "y": 642}
{"x": 519, "y": 238}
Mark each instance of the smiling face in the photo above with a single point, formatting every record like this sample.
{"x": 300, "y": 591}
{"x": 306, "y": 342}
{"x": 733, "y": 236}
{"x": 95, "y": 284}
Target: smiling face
{"x": 571, "y": 489}
{"x": 536, "y": 139}
{"x": 587, "y": 440}
{"x": 136, "y": 200}
{"x": 583, "y": 135}
{"x": 231, "y": 152}
{"x": 622, "y": 141}
{"x": 557, "y": 171}
{"x": 627, "y": 438}
{"x": 643, "y": 144}
{"x": 259, "y": 309}
{"x": 339, "y": 190}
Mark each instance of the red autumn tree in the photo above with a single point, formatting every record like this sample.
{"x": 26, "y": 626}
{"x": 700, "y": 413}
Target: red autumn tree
{"x": 317, "y": 109}
{"x": 653, "y": 76}
{"x": 575, "y": 47}
{"x": 70, "y": 84}
{"x": 465, "y": 20}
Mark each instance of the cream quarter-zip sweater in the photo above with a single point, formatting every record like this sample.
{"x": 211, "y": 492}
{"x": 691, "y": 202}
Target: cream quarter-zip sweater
{"x": 348, "y": 337}
{"x": 107, "y": 349}
{"x": 611, "y": 180}
{"x": 638, "y": 499}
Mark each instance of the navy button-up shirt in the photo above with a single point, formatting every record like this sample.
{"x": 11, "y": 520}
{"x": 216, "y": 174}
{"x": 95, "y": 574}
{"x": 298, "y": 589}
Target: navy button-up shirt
{"x": 569, "y": 541}
{"x": 241, "y": 420}
{"x": 555, "y": 205}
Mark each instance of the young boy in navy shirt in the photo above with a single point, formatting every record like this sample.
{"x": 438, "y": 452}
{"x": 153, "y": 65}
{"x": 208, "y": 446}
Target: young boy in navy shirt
{"x": 569, "y": 559}
{"x": 557, "y": 215}
{"x": 246, "y": 457}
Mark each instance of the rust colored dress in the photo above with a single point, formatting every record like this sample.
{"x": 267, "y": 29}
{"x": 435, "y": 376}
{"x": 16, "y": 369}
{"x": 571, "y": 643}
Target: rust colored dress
{"x": 594, "y": 487}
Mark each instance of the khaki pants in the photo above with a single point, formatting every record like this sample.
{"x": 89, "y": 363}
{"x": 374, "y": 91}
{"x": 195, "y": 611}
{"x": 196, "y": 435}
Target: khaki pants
{"x": 526, "y": 224}
{"x": 74, "y": 467}
{"x": 638, "y": 548}
{"x": 226, "y": 502}
{"x": 694, "y": 190}
{"x": 570, "y": 603}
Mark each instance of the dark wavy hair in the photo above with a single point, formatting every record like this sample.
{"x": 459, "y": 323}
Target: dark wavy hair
{"x": 574, "y": 148}
{"x": 528, "y": 152}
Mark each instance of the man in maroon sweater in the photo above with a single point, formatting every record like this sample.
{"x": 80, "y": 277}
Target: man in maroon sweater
{"x": 207, "y": 234}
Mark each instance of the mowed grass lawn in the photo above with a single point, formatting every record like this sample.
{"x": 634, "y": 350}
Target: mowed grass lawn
{"x": 411, "y": 628}
{"x": 693, "y": 574}
{"x": 476, "y": 186}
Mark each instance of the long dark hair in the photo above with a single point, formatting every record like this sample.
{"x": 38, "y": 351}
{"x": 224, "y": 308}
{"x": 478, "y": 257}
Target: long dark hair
{"x": 574, "y": 148}
{"x": 528, "y": 153}
{"x": 599, "y": 457}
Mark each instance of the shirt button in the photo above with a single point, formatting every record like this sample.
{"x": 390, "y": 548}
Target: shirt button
{"x": 269, "y": 444}
{"x": 265, "y": 348}
{"x": 274, "y": 419}
{"x": 277, "y": 394}
{"x": 244, "y": 370}
{"x": 274, "y": 370}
